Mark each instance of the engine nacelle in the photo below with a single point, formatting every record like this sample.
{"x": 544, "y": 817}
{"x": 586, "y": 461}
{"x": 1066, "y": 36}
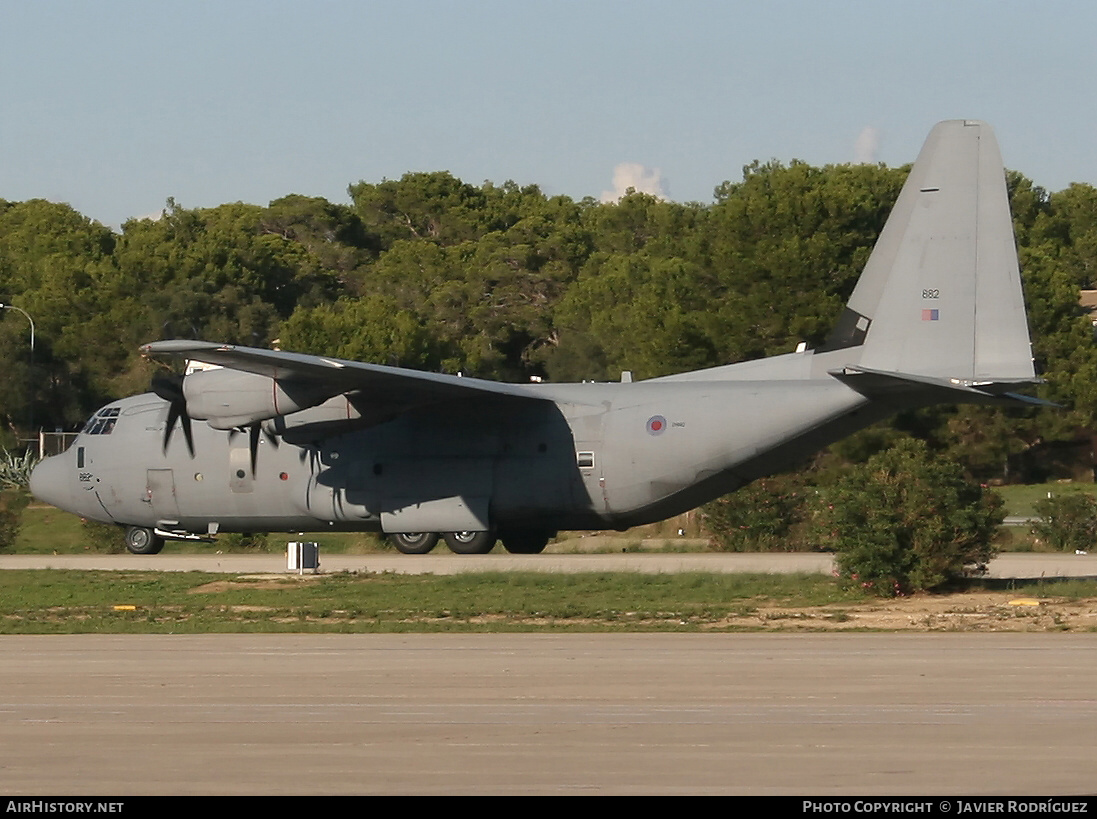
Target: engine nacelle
{"x": 230, "y": 398}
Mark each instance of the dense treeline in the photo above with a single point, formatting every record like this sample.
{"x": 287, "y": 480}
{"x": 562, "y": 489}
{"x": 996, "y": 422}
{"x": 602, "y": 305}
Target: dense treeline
{"x": 505, "y": 282}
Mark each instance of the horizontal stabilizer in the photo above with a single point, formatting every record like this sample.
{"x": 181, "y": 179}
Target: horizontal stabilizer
{"x": 884, "y": 385}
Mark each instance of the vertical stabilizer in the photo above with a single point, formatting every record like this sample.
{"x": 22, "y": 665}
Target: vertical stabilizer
{"x": 941, "y": 293}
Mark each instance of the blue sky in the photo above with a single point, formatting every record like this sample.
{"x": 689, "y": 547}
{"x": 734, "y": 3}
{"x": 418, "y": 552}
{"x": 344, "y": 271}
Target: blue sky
{"x": 113, "y": 106}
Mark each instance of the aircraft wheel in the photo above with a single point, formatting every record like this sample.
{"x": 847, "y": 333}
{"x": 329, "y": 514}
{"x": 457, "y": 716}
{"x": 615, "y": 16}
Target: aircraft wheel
{"x": 414, "y": 543}
{"x": 470, "y": 543}
{"x": 142, "y": 541}
{"x": 525, "y": 543}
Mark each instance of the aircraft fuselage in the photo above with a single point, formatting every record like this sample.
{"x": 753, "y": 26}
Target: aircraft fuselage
{"x": 597, "y": 455}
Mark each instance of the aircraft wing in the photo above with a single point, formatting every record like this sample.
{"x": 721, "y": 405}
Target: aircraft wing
{"x": 377, "y": 392}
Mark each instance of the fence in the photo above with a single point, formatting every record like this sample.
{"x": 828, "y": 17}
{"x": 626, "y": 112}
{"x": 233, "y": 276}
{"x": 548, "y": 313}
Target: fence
{"x": 50, "y": 443}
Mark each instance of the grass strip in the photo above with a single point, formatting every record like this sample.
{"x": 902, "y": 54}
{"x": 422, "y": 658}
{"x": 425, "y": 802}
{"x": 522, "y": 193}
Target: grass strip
{"x": 64, "y": 601}
{"x": 52, "y": 601}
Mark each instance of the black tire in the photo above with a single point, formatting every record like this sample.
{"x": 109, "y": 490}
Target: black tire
{"x": 414, "y": 543}
{"x": 525, "y": 543}
{"x": 470, "y": 543}
{"x": 142, "y": 541}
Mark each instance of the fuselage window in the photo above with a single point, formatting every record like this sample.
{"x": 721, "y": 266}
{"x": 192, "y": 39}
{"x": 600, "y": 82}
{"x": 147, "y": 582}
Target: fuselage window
{"x": 585, "y": 460}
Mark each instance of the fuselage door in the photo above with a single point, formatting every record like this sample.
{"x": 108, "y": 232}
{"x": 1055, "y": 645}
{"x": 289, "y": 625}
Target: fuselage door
{"x": 588, "y": 434}
{"x": 160, "y": 491}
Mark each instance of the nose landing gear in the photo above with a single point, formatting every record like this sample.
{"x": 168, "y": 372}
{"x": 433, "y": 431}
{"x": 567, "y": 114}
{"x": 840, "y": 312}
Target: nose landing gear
{"x": 143, "y": 541}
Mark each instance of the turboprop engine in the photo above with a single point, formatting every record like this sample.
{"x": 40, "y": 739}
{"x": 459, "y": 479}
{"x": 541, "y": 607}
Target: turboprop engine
{"x": 228, "y": 399}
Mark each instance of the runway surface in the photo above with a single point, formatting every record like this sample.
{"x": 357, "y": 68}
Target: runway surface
{"x": 819, "y": 714}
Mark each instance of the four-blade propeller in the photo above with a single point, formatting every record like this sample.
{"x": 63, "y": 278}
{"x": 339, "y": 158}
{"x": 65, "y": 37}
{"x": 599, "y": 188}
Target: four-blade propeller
{"x": 170, "y": 388}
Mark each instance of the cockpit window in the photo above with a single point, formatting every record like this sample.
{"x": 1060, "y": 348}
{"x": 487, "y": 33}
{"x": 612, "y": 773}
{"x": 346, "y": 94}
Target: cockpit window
{"x": 102, "y": 423}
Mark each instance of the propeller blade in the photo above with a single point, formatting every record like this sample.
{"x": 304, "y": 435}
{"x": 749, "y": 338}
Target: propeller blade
{"x": 188, "y": 435}
{"x": 173, "y": 416}
{"x": 253, "y": 445}
{"x": 170, "y": 389}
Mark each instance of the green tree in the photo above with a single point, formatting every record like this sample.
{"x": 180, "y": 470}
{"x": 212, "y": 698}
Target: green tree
{"x": 56, "y": 265}
{"x": 435, "y": 206}
{"x": 786, "y": 246}
{"x": 645, "y": 313}
{"x": 373, "y": 329}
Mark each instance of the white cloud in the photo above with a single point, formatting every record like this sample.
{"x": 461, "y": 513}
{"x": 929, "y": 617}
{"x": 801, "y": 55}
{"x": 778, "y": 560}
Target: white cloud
{"x": 638, "y": 177}
{"x": 867, "y": 146}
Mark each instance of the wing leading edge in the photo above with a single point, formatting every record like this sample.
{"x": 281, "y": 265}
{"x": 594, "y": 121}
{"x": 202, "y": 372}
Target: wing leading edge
{"x": 380, "y": 391}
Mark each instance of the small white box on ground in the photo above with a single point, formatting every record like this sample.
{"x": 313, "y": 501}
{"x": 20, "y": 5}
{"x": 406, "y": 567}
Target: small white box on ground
{"x": 304, "y": 555}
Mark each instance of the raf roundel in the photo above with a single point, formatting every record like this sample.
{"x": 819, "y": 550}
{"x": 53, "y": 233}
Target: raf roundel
{"x": 657, "y": 424}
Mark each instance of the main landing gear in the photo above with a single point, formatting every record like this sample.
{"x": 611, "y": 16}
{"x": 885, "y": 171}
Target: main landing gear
{"x": 414, "y": 543}
{"x": 518, "y": 542}
{"x": 470, "y": 543}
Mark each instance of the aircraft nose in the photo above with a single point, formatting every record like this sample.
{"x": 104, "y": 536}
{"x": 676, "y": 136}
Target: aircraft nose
{"x": 51, "y": 481}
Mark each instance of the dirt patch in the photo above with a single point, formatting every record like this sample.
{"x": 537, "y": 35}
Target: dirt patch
{"x": 958, "y": 612}
{"x": 277, "y": 581}
{"x": 989, "y": 611}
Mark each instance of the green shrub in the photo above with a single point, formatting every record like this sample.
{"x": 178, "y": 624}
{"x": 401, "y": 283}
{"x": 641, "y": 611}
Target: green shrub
{"x": 12, "y": 504}
{"x": 107, "y": 538}
{"x": 245, "y": 542}
{"x": 907, "y": 520}
{"x": 1068, "y": 522}
{"x": 15, "y": 469}
{"x": 765, "y": 516}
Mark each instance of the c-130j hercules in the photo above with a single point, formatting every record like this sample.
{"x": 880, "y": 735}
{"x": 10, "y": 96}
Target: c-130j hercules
{"x": 276, "y": 441}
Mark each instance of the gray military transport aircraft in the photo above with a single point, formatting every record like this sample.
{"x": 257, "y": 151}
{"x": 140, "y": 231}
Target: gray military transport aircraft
{"x": 277, "y": 441}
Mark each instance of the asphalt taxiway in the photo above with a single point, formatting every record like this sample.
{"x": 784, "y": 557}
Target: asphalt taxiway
{"x": 818, "y": 714}
{"x": 1010, "y": 565}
